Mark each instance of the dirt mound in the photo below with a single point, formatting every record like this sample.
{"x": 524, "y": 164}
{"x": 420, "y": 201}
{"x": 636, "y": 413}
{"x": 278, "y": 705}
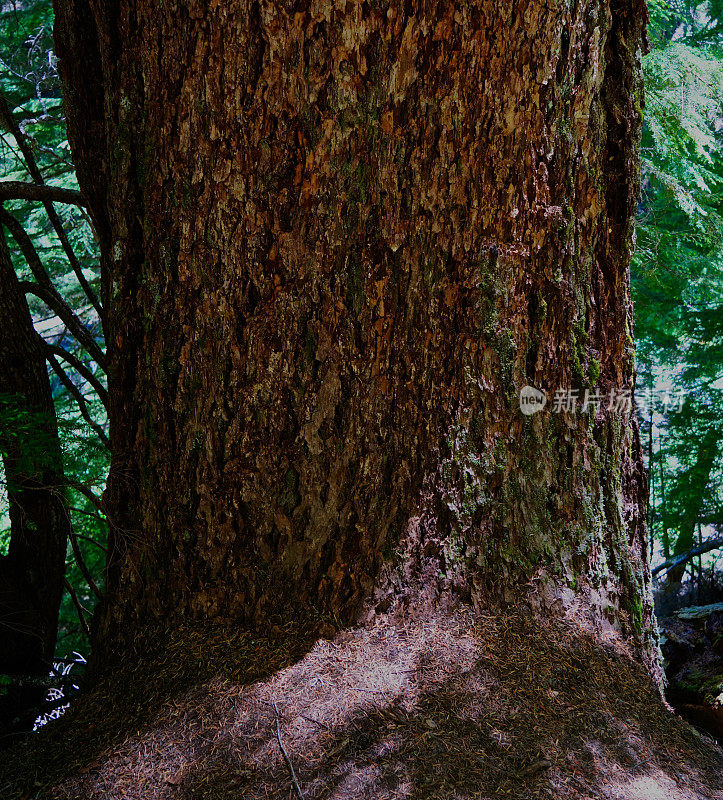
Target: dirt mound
{"x": 456, "y": 705}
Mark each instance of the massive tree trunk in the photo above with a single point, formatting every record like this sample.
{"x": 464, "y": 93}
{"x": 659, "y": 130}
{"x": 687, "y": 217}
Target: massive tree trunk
{"x": 339, "y": 238}
{"x": 31, "y": 574}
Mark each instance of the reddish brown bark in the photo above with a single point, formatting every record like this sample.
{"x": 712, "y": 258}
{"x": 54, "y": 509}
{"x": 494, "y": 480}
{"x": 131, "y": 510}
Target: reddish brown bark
{"x": 339, "y": 239}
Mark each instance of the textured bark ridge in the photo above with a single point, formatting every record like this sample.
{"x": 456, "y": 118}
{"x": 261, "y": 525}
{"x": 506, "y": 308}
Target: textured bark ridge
{"x": 340, "y": 237}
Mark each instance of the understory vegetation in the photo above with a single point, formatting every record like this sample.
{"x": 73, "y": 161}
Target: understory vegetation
{"x": 677, "y": 277}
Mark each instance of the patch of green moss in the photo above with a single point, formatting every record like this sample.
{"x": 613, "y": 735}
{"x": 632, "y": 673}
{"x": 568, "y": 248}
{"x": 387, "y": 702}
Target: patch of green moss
{"x": 593, "y": 371}
{"x": 290, "y": 498}
{"x": 578, "y": 349}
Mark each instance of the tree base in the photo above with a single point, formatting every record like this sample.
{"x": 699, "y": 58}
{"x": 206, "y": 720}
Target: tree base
{"x": 449, "y": 704}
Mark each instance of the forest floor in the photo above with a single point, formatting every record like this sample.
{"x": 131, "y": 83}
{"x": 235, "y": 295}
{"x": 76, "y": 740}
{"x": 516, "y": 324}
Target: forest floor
{"x": 452, "y": 705}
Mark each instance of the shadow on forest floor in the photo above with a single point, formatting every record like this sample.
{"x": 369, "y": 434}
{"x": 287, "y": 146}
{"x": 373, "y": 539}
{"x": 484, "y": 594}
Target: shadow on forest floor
{"x": 443, "y": 706}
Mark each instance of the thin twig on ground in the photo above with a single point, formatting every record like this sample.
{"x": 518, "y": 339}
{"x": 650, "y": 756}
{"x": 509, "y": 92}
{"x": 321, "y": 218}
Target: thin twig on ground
{"x": 315, "y": 721}
{"x": 299, "y": 793}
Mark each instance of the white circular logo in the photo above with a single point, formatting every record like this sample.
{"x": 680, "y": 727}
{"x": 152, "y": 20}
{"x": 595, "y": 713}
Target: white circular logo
{"x": 532, "y": 400}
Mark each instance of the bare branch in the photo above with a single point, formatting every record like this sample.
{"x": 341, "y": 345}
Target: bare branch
{"x": 78, "y": 607}
{"x": 83, "y": 567}
{"x": 80, "y": 368}
{"x": 89, "y": 494}
{"x": 20, "y": 190}
{"x": 59, "y": 306}
{"x": 27, "y": 248}
{"x": 6, "y": 116}
{"x": 78, "y": 397}
{"x": 55, "y": 302}
{"x": 82, "y": 535}
{"x": 706, "y": 547}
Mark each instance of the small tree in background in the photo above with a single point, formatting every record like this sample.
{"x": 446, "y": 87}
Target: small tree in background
{"x": 53, "y": 438}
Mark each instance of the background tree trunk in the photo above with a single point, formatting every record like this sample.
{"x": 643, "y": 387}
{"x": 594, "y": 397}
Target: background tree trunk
{"x": 31, "y": 574}
{"x": 339, "y": 239}
{"x": 693, "y": 497}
